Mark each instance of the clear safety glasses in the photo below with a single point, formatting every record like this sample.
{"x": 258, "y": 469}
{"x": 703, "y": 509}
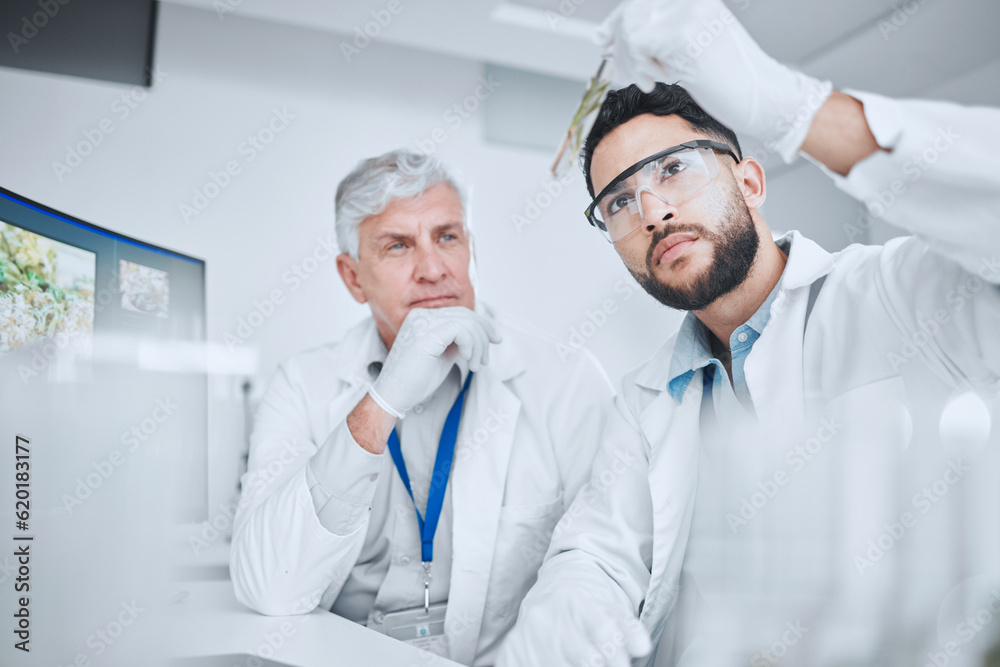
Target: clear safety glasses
{"x": 673, "y": 176}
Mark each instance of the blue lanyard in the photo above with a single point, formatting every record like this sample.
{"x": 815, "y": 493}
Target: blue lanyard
{"x": 439, "y": 481}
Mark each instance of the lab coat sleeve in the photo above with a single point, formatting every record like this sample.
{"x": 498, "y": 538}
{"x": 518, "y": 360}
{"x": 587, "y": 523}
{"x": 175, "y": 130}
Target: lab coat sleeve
{"x": 587, "y": 399}
{"x": 303, "y": 511}
{"x": 597, "y": 569}
{"x": 940, "y": 183}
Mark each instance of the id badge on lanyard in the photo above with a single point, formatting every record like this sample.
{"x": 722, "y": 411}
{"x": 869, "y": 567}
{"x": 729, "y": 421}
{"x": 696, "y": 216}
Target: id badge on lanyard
{"x": 424, "y": 626}
{"x": 420, "y": 627}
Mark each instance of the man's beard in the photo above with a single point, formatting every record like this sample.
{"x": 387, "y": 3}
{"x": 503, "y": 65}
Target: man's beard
{"x": 735, "y": 250}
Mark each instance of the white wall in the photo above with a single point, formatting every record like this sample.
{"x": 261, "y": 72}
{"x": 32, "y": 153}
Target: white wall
{"x": 220, "y": 81}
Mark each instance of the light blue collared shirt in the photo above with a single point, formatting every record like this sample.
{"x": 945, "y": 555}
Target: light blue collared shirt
{"x": 693, "y": 353}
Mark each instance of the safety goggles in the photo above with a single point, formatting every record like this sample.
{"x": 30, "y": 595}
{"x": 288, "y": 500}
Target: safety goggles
{"x": 673, "y": 176}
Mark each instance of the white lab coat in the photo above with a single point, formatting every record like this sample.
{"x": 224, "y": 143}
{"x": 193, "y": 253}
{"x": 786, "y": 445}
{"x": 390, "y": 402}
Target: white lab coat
{"x": 525, "y": 447}
{"x": 861, "y": 363}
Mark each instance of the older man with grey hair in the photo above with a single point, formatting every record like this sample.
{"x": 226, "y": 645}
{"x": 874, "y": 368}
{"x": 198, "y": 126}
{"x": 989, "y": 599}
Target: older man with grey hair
{"x": 490, "y": 436}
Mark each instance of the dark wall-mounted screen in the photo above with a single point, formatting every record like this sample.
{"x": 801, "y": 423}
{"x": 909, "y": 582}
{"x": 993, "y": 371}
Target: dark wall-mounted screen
{"x": 110, "y": 40}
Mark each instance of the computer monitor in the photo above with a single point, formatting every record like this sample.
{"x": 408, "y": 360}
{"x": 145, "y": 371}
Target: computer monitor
{"x": 102, "y": 361}
{"x": 104, "y": 425}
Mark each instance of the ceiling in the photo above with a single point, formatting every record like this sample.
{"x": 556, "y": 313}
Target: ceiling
{"x": 918, "y": 45}
{"x": 552, "y": 36}
{"x": 936, "y": 39}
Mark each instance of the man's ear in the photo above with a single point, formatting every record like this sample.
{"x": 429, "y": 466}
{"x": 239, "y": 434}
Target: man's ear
{"x": 750, "y": 180}
{"x": 347, "y": 267}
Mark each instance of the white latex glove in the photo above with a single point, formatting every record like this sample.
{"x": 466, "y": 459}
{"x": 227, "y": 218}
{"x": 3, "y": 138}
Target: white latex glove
{"x": 700, "y": 45}
{"x": 574, "y": 634}
{"x": 425, "y": 349}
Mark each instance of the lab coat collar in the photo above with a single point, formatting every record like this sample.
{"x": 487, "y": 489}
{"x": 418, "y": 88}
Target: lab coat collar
{"x": 692, "y": 352}
{"x": 655, "y": 373}
{"x": 359, "y": 347}
{"x": 807, "y": 262}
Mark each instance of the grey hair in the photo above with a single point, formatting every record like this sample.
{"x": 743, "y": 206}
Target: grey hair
{"x": 375, "y": 182}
